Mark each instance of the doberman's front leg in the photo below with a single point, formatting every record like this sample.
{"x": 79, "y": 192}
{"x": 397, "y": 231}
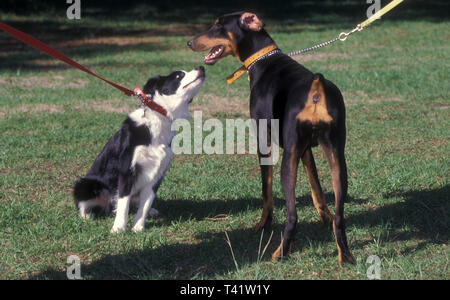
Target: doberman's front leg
{"x": 289, "y": 167}
{"x": 267, "y": 197}
{"x": 266, "y": 164}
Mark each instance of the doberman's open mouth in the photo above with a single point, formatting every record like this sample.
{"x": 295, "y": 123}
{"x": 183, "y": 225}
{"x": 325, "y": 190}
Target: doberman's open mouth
{"x": 214, "y": 55}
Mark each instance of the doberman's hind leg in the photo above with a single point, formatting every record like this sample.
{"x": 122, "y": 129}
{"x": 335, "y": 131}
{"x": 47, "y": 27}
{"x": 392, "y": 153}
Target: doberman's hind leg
{"x": 334, "y": 151}
{"x": 316, "y": 190}
{"x": 289, "y": 168}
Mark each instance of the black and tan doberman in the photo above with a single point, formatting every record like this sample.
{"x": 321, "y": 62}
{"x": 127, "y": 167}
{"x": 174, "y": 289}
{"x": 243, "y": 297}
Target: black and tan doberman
{"x": 310, "y": 110}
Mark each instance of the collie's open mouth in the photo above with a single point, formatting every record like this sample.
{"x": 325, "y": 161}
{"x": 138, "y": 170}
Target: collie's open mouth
{"x": 214, "y": 55}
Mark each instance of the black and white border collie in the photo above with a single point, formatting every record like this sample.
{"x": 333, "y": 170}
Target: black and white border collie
{"x": 132, "y": 164}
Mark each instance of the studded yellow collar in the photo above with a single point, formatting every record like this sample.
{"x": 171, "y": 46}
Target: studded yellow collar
{"x": 251, "y": 60}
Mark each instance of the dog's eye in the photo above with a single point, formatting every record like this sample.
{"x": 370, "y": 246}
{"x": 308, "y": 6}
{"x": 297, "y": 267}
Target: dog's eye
{"x": 179, "y": 76}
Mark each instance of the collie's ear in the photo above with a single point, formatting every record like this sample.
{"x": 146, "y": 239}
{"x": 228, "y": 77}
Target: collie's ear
{"x": 151, "y": 85}
{"x": 251, "y": 21}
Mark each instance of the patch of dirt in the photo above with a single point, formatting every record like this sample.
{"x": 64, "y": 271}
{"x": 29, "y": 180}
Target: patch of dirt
{"x": 400, "y": 33}
{"x": 213, "y": 106}
{"x": 54, "y": 40}
{"x": 43, "y": 81}
{"x": 334, "y": 67}
{"x": 357, "y": 97}
{"x": 35, "y": 108}
{"x": 318, "y": 57}
{"x": 111, "y": 106}
{"x": 113, "y": 40}
{"x": 210, "y": 105}
{"x": 179, "y": 29}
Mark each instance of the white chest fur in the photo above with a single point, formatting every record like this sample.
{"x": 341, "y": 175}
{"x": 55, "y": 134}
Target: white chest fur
{"x": 153, "y": 159}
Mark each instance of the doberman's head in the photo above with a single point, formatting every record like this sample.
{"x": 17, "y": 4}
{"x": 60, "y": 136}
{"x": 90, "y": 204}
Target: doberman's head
{"x": 238, "y": 34}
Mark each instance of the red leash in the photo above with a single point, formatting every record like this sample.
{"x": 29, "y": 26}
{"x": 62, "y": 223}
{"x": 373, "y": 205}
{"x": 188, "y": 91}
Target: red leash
{"x": 31, "y": 41}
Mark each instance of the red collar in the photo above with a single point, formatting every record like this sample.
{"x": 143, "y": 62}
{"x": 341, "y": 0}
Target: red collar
{"x": 149, "y": 103}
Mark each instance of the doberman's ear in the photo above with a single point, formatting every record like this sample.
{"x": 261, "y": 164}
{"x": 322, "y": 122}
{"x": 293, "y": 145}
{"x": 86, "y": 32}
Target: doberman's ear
{"x": 251, "y": 21}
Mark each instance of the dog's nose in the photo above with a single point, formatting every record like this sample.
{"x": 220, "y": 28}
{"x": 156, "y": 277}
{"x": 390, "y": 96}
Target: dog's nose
{"x": 189, "y": 43}
{"x": 201, "y": 71}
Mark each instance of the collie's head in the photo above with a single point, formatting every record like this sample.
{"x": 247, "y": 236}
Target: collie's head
{"x": 175, "y": 91}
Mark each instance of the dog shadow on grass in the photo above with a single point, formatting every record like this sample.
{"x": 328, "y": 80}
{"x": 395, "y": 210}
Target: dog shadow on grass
{"x": 425, "y": 212}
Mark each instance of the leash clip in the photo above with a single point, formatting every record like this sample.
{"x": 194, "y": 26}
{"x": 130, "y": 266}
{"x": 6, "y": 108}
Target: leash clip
{"x": 147, "y": 101}
{"x": 141, "y": 96}
{"x": 344, "y": 35}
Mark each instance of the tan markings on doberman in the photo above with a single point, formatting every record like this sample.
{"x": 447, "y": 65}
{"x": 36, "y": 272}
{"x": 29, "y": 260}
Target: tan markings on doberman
{"x": 293, "y": 161}
{"x": 315, "y": 109}
{"x": 337, "y": 190}
{"x": 278, "y": 253}
{"x": 316, "y": 190}
{"x": 203, "y": 42}
{"x": 252, "y": 21}
{"x": 233, "y": 45}
{"x": 267, "y": 195}
{"x": 344, "y": 254}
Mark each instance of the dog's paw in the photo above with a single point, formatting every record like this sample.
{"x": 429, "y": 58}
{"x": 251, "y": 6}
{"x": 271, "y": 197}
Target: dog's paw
{"x": 118, "y": 229}
{"x": 85, "y": 216}
{"x": 153, "y": 213}
{"x": 83, "y": 211}
{"x": 138, "y": 228}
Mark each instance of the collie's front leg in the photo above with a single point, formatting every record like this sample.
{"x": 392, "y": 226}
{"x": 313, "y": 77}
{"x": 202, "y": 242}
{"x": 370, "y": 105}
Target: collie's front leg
{"x": 147, "y": 196}
{"x": 121, "y": 220}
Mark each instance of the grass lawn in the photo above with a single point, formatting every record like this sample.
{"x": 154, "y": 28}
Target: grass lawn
{"x": 54, "y": 120}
